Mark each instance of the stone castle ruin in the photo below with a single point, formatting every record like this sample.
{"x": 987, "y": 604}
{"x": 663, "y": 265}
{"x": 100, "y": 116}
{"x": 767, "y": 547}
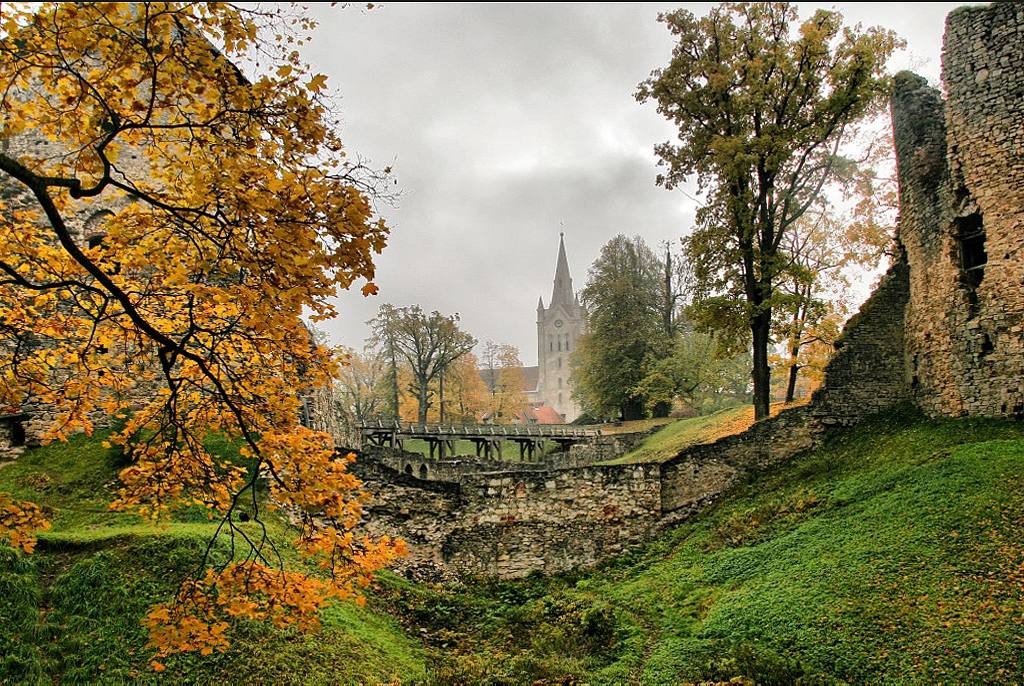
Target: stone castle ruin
{"x": 943, "y": 329}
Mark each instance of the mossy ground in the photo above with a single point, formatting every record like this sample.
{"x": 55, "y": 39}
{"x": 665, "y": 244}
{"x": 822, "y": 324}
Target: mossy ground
{"x": 892, "y": 555}
{"x": 70, "y": 612}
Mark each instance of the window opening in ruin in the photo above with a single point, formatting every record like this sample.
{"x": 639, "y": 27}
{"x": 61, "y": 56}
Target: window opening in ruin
{"x": 17, "y": 433}
{"x": 423, "y": 472}
{"x": 408, "y": 469}
{"x": 559, "y": 344}
{"x": 987, "y": 346}
{"x": 973, "y": 258}
{"x": 96, "y": 241}
{"x": 559, "y": 362}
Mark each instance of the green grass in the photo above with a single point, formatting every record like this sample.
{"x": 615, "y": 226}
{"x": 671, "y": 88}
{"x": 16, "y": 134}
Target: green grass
{"x": 893, "y": 555}
{"x": 71, "y": 611}
{"x": 630, "y": 426}
{"x": 668, "y": 441}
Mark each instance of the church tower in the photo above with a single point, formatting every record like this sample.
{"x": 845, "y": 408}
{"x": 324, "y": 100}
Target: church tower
{"x": 559, "y": 326}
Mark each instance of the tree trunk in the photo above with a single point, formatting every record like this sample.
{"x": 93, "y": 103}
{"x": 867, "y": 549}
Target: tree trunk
{"x": 421, "y": 398}
{"x": 440, "y": 383}
{"x": 760, "y": 327}
{"x": 394, "y": 381}
{"x": 669, "y": 303}
{"x": 799, "y": 322}
{"x": 793, "y": 368}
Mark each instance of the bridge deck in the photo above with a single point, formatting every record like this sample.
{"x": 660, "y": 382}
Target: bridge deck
{"x": 487, "y": 437}
{"x": 480, "y": 431}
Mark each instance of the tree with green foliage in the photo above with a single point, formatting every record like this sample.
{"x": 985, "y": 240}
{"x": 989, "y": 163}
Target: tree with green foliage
{"x": 696, "y": 373}
{"x": 623, "y": 297}
{"x": 763, "y": 106}
{"x": 429, "y": 343}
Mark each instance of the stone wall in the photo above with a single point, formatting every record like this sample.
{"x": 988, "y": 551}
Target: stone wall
{"x": 507, "y": 520}
{"x": 512, "y": 522}
{"x": 961, "y": 173}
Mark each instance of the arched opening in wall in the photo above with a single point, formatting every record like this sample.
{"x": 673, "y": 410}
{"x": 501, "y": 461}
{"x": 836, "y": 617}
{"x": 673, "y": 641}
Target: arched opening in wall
{"x": 970, "y": 235}
{"x": 17, "y": 433}
{"x": 423, "y": 472}
{"x": 408, "y": 469}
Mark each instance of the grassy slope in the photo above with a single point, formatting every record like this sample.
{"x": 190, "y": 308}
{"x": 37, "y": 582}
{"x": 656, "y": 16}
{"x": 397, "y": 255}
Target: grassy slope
{"x": 892, "y": 555}
{"x": 71, "y": 611}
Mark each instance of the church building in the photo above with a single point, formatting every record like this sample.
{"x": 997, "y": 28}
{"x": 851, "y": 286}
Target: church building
{"x": 559, "y": 327}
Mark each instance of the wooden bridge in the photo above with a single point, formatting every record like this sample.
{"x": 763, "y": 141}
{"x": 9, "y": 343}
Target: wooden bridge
{"x": 487, "y": 438}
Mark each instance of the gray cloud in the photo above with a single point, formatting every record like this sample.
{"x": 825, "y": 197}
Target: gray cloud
{"x": 503, "y": 122}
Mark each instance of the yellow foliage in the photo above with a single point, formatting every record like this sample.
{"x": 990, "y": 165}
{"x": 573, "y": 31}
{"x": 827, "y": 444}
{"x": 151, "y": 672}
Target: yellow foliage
{"x": 222, "y": 207}
{"x": 19, "y": 520}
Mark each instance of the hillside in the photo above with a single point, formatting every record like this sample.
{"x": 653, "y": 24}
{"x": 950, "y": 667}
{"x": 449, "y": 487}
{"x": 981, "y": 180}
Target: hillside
{"x": 71, "y": 610}
{"x": 891, "y": 555}
{"x": 676, "y": 436}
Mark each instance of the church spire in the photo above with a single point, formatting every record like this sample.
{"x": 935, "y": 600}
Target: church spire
{"x": 562, "y": 291}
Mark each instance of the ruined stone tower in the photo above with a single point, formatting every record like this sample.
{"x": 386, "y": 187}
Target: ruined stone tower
{"x": 559, "y": 326}
{"x": 961, "y": 175}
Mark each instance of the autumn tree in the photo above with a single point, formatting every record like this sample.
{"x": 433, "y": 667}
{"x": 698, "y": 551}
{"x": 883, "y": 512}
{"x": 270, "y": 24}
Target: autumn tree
{"x": 428, "y": 343}
{"x": 506, "y": 386}
{"x": 763, "y": 104}
{"x": 465, "y": 395}
{"x": 175, "y": 198}
{"x": 696, "y": 372}
{"x": 823, "y": 251}
{"x": 363, "y": 388}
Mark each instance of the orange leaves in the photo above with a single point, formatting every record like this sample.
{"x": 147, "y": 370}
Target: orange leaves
{"x": 198, "y": 619}
{"x": 19, "y": 522}
{"x": 203, "y": 211}
{"x": 370, "y": 289}
{"x": 317, "y": 83}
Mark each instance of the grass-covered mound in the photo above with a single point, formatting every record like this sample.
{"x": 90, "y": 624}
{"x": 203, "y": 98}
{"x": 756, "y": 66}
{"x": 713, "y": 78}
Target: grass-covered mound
{"x": 676, "y": 436}
{"x": 70, "y": 611}
{"x": 894, "y": 554}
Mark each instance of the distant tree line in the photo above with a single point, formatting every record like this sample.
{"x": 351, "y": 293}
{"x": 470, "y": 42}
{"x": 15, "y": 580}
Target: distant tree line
{"x": 420, "y": 367}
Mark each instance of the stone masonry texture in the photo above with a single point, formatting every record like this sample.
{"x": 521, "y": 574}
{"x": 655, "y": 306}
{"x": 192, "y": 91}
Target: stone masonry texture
{"x": 961, "y": 173}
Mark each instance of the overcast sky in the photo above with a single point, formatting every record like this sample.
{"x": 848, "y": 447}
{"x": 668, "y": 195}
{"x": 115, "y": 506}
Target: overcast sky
{"x": 505, "y": 124}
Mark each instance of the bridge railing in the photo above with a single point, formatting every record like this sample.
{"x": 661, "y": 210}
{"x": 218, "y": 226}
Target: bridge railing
{"x": 478, "y": 430}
